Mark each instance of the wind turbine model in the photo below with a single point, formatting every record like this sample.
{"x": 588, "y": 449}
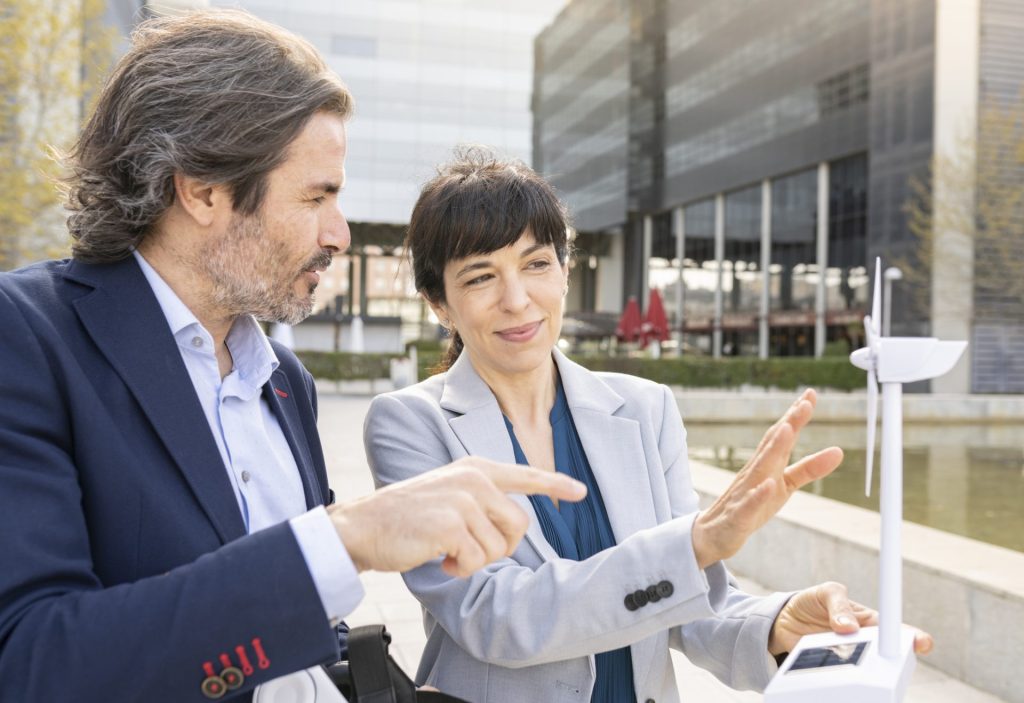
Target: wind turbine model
{"x": 874, "y": 664}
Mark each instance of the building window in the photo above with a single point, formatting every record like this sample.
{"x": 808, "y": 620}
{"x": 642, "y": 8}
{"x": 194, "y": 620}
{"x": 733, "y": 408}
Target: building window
{"x": 794, "y": 270}
{"x": 700, "y": 275}
{"x": 843, "y": 90}
{"x": 742, "y": 276}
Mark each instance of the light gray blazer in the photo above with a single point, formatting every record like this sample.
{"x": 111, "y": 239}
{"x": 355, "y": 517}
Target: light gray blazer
{"x": 526, "y": 628}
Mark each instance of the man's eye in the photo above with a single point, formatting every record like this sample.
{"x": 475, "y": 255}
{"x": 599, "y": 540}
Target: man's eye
{"x": 318, "y": 199}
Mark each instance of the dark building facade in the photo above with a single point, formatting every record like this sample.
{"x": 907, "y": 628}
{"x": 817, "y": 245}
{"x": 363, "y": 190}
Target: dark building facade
{"x": 749, "y": 158}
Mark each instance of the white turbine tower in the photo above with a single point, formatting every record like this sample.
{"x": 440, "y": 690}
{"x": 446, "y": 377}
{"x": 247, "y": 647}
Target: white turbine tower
{"x": 874, "y": 664}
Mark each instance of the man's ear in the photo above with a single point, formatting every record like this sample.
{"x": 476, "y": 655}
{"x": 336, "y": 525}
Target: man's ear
{"x": 203, "y": 202}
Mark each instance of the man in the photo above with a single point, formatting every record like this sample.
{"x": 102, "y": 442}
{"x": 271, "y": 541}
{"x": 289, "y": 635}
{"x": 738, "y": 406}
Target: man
{"x": 160, "y": 470}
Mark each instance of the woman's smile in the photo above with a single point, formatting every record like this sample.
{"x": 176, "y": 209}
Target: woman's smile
{"x": 523, "y": 333}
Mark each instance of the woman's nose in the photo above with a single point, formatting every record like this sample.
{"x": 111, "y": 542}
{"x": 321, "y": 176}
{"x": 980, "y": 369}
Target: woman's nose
{"x": 514, "y": 295}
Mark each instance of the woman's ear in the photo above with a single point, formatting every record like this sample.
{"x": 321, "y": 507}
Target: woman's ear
{"x": 440, "y": 309}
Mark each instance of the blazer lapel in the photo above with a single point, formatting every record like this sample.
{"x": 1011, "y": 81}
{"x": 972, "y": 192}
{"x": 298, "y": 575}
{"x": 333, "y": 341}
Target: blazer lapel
{"x": 613, "y": 447}
{"x": 615, "y": 450}
{"x": 126, "y": 322}
{"x": 287, "y": 416}
{"x": 480, "y": 428}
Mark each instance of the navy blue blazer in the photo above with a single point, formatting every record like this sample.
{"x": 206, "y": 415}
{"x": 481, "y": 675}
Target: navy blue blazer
{"x": 125, "y": 570}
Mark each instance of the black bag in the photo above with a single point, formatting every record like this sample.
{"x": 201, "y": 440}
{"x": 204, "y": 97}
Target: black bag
{"x": 371, "y": 676}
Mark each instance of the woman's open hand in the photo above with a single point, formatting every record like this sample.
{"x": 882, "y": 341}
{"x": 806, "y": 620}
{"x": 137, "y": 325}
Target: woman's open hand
{"x": 762, "y": 487}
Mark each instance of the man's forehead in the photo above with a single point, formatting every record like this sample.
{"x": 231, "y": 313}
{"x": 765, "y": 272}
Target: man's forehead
{"x": 316, "y": 157}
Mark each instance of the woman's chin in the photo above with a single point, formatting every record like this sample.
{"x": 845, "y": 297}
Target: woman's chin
{"x": 519, "y": 361}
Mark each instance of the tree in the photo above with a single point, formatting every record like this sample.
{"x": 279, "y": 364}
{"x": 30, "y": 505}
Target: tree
{"x": 977, "y": 192}
{"x": 968, "y": 219}
{"x": 51, "y": 53}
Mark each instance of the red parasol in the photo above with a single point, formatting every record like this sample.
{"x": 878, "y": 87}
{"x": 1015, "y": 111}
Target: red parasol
{"x": 655, "y": 326}
{"x": 628, "y": 329}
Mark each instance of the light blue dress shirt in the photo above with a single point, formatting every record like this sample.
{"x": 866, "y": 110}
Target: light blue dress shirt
{"x": 256, "y": 455}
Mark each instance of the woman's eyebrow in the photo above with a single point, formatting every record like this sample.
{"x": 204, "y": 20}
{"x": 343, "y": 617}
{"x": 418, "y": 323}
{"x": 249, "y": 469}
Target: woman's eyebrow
{"x": 473, "y": 267}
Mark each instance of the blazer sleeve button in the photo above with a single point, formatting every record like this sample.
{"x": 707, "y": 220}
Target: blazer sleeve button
{"x": 665, "y": 589}
{"x": 652, "y": 594}
{"x": 232, "y": 677}
{"x": 640, "y": 596}
{"x": 630, "y": 603}
{"x": 213, "y": 687}
{"x": 649, "y": 700}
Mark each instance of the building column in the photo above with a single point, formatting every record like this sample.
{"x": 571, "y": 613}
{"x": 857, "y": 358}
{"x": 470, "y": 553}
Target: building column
{"x": 352, "y": 259}
{"x": 956, "y": 117}
{"x": 679, "y": 230}
{"x": 363, "y": 275}
{"x": 820, "y": 304}
{"x": 763, "y": 330}
{"x": 716, "y": 334}
{"x": 645, "y": 261}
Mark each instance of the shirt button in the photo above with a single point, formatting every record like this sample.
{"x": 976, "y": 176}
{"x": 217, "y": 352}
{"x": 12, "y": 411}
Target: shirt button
{"x": 246, "y": 476}
{"x": 197, "y": 341}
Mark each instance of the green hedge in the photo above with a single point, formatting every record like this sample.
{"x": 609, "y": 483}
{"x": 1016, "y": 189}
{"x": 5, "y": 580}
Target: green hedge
{"x": 786, "y": 373}
{"x": 345, "y": 366}
{"x": 694, "y": 371}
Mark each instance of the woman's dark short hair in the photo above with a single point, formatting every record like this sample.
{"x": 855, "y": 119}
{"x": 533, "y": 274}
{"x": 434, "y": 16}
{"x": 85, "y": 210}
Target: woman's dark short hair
{"x": 216, "y": 95}
{"x": 476, "y": 204}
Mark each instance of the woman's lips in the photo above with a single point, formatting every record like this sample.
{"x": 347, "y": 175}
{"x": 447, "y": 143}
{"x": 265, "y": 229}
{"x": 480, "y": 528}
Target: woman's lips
{"x": 523, "y": 333}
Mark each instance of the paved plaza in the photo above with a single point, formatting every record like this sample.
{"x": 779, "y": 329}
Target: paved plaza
{"x": 387, "y": 600}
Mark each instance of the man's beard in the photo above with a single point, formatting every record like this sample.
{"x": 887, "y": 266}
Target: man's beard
{"x": 248, "y": 278}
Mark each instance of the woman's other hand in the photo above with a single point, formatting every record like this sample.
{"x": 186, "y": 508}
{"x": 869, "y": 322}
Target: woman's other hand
{"x": 822, "y": 608}
{"x": 762, "y": 487}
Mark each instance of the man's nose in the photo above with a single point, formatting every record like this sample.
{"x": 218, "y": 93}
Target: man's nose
{"x": 335, "y": 233}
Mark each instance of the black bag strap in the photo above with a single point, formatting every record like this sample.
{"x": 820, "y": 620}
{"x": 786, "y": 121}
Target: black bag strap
{"x": 376, "y": 677}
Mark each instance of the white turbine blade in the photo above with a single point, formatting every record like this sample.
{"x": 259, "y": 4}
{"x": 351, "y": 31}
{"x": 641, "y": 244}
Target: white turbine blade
{"x": 876, "y": 300}
{"x": 872, "y": 421}
{"x": 870, "y": 335}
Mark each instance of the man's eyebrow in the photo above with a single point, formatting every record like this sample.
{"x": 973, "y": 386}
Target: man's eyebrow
{"x": 324, "y": 187}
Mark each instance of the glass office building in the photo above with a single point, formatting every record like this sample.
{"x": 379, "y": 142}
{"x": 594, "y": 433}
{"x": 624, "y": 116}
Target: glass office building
{"x": 749, "y": 158}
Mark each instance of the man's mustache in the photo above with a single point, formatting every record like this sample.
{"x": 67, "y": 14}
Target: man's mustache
{"x": 320, "y": 262}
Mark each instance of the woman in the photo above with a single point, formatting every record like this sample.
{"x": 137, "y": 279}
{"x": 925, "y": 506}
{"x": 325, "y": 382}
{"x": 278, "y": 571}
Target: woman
{"x": 587, "y": 606}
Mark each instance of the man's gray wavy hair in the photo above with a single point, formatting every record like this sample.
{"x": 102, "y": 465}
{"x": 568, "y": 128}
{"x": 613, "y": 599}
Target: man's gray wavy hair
{"x": 216, "y": 95}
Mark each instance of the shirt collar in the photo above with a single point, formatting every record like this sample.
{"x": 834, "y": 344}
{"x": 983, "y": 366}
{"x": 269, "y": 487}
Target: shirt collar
{"x": 254, "y": 358}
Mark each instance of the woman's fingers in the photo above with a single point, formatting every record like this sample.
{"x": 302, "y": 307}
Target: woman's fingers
{"x": 841, "y": 612}
{"x": 808, "y": 396}
{"x": 923, "y": 642}
{"x": 813, "y": 467}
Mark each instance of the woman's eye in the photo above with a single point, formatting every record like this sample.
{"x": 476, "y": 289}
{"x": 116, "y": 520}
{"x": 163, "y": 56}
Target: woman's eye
{"x": 540, "y": 264}
{"x": 478, "y": 279}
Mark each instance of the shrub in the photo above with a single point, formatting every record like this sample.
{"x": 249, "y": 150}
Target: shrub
{"x": 785, "y": 373}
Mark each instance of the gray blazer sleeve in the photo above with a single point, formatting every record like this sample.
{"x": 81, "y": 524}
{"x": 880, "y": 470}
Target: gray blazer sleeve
{"x": 732, "y": 645}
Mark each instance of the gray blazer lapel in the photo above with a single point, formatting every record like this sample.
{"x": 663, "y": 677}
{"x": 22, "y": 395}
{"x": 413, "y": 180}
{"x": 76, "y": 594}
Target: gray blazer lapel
{"x": 479, "y": 425}
{"x": 616, "y": 454}
{"x": 613, "y": 447}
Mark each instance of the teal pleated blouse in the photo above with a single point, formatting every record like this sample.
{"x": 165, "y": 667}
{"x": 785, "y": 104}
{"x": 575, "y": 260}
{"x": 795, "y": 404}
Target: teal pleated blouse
{"x": 578, "y": 531}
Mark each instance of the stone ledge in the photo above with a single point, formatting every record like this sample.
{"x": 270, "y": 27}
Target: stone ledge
{"x": 969, "y": 595}
{"x": 758, "y": 405}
